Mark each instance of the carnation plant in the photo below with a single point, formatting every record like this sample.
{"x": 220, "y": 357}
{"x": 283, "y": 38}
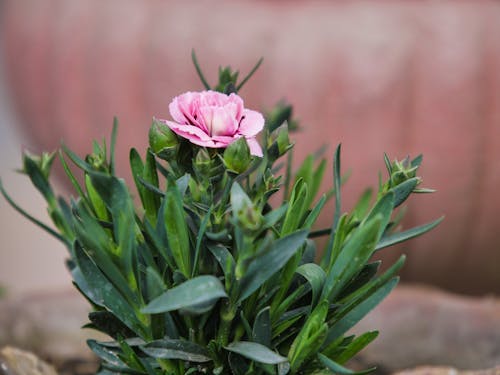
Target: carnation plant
{"x": 209, "y": 265}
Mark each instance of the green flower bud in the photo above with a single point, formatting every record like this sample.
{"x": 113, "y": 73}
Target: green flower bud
{"x": 280, "y": 114}
{"x": 279, "y": 142}
{"x": 203, "y": 162}
{"x": 401, "y": 171}
{"x": 43, "y": 162}
{"x": 162, "y": 140}
{"x": 237, "y": 156}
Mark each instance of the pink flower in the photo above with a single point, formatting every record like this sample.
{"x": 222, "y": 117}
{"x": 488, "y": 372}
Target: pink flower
{"x": 213, "y": 119}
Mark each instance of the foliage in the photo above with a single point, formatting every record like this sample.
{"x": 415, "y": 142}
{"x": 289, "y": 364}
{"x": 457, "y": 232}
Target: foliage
{"x": 207, "y": 275}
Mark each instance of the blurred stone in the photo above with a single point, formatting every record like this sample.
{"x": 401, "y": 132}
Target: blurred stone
{"x": 424, "y": 326}
{"x": 447, "y": 371}
{"x": 19, "y": 362}
{"x": 48, "y": 324}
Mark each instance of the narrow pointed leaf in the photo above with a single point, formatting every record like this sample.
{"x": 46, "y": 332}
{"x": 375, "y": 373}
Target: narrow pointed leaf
{"x": 339, "y": 369}
{"x": 406, "y": 235}
{"x": 352, "y": 258}
{"x": 315, "y": 275}
{"x": 263, "y": 267}
{"x": 403, "y": 190}
{"x": 348, "y": 321}
{"x": 104, "y": 293}
{"x": 200, "y": 290}
{"x": 255, "y": 352}
{"x": 177, "y": 349}
{"x": 176, "y": 230}
{"x": 261, "y": 332}
{"x": 358, "y": 344}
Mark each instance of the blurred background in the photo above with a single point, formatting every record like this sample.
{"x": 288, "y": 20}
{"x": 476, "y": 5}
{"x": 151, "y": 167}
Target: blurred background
{"x": 402, "y": 77}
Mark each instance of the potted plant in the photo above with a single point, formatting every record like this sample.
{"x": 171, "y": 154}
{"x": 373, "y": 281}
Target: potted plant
{"x": 216, "y": 270}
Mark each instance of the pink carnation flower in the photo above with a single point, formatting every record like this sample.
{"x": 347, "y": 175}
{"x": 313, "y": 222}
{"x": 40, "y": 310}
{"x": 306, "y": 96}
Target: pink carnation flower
{"x": 213, "y": 119}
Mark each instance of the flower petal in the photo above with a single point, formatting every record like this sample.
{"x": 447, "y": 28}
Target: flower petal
{"x": 254, "y": 147}
{"x": 251, "y": 124}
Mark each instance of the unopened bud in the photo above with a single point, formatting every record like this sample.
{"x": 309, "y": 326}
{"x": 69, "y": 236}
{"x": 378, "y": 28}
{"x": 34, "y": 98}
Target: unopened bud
{"x": 162, "y": 140}
{"x": 237, "y": 156}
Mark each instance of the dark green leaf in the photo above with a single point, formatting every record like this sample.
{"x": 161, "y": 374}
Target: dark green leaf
{"x": 104, "y": 293}
{"x": 315, "y": 275}
{"x": 352, "y": 258}
{"x": 200, "y": 290}
{"x": 198, "y": 70}
{"x": 199, "y": 239}
{"x": 250, "y": 74}
{"x": 406, "y": 235}
{"x": 263, "y": 267}
{"x": 109, "y": 356}
{"x": 339, "y": 369}
{"x": 106, "y": 322}
{"x": 177, "y": 349}
{"x": 358, "y": 344}
{"x": 30, "y": 217}
{"x": 348, "y": 321}
{"x": 114, "y": 133}
{"x": 176, "y": 230}
{"x": 261, "y": 332}
{"x": 403, "y": 190}
{"x": 256, "y": 352}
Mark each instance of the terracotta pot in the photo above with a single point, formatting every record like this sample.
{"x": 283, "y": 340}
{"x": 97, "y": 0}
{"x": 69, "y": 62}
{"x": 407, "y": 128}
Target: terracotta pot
{"x": 400, "y": 77}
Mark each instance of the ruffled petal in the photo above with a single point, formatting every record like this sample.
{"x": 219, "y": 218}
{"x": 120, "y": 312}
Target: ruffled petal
{"x": 254, "y": 147}
{"x": 251, "y": 124}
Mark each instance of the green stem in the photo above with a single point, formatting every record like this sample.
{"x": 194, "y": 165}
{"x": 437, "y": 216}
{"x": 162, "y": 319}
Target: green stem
{"x": 227, "y": 314}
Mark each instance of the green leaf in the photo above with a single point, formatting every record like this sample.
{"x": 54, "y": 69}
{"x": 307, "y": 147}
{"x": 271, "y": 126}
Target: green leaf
{"x": 339, "y": 369}
{"x": 114, "y": 133}
{"x": 395, "y": 238}
{"x": 250, "y": 74}
{"x": 199, "y": 239}
{"x": 103, "y": 293}
{"x": 31, "y": 218}
{"x": 198, "y": 70}
{"x": 403, "y": 190}
{"x": 353, "y": 257}
{"x": 348, "y": 321}
{"x": 255, "y": 352}
{"x": 176, "y": 229}
{"x": 296, "y": 208}
{"x": 261, "y": 332}
{"x": 38, "y": 179}
{"x": 336, "y": 184}
{"x": 263, "y": 267}
{"x": 358, "y": 344}
{"x": 315, "y": 276}
{"x": 361, "y": 208}
{"x": 107, "y": 355}
{"x": 177, "y": 349}
{"x": 383, "y": 207}
{"x": 366, "y": 274}
{"x": 80, "y": 163}
{"x": 71, "y": 176}
{"x": 106, "y": 322}
{"x": 200, "y": 290}
{"x": 328, "y": 257}
{"x": 313, "y": 215}
{"x": 223, "y": 257}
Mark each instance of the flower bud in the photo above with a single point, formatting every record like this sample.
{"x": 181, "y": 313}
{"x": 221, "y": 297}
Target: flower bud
{"x": 203, "y": 162}
{"x": 401, "y": 171}
{"x": 237, "y": 156}
{"x": 162, "y": 140}
{"x": 43, "y": 163}
{"x": 279, "y": 142}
